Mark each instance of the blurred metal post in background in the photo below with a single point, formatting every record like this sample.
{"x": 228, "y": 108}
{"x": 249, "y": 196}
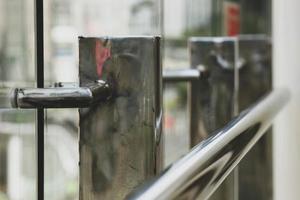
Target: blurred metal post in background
{"x": 121, "y": 140}
{"x": 255, "y": 81}
{"x": 213, "y": 100}
{"x": 226, "y": 91}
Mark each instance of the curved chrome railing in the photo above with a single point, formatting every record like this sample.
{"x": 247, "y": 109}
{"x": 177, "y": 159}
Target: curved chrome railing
{"x": 204, "y": 168}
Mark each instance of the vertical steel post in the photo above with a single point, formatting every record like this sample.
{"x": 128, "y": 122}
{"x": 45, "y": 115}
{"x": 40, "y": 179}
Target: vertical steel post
{"x": 39, "y": 58}
{"x": 215, "y": 94}
{"x": 120, "y": 141}
{"x": 255, "y": 170}
{"x": 213, "y": 99}
{"x": 214, "y": 102}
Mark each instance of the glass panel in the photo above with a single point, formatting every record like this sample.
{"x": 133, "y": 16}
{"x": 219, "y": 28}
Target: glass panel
{"x": 17, "y": 127}
{"x": 65, "y": 20}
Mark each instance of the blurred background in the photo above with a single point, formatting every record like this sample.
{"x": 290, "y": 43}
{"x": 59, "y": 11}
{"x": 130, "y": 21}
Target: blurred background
{"x": 175, "y": 20}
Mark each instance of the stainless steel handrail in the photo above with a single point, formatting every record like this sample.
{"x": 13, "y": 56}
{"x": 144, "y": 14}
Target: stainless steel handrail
{"x": 204, "y": 168}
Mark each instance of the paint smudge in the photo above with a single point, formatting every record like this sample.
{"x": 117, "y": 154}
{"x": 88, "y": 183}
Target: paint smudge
{"x": 102, "y": 53}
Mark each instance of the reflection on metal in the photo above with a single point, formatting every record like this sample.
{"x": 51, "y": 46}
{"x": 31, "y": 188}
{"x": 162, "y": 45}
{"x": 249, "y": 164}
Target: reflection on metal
{"x": 121, "y": 139}
{"x": 255, "y": 80}
{"x": 199, "y": 173}
{"x": 61, "y": 97}
{"x": 177, "y": 75}
{"x": 212, "y": 100}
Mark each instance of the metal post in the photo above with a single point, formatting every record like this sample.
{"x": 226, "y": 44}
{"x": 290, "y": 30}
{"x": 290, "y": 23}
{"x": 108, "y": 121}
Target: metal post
{"x": 213, "y": 99}
{"x": 255, "y": 171}
{"x": 120, "y": 140}
{"x": 39, "y": 56}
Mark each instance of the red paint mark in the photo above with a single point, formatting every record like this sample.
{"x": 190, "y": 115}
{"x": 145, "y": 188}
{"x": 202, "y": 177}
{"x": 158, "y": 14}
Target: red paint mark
{"x": 232, "y": 18}
{"x": 169, "y": 122}
{"x": 102, "y": 54}
{"x": 234, "y": 11}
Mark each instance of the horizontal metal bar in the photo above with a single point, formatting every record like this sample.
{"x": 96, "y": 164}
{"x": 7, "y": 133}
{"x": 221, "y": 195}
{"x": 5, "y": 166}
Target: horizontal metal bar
{"x": 201, "y": 171}
{"x": 177, "y": 75}
{"x": 61, "y": 97}
{"x": 70, "y": 95}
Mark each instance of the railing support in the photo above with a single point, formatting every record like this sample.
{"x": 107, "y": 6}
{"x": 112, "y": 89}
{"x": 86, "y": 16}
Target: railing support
{"x": 255, "y": 81}
{"x": 212, "y": 100}
{"x": 120, "y": 140}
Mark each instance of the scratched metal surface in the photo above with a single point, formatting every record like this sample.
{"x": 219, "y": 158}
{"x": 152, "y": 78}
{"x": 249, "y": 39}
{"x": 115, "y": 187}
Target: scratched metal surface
{"x": 120, "y": 140}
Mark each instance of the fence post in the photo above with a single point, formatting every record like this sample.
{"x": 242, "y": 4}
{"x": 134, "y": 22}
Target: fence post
{"x": 213, "y": 98}
{"x": 255, "y": 81}
{"x": 120, "y": 141}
